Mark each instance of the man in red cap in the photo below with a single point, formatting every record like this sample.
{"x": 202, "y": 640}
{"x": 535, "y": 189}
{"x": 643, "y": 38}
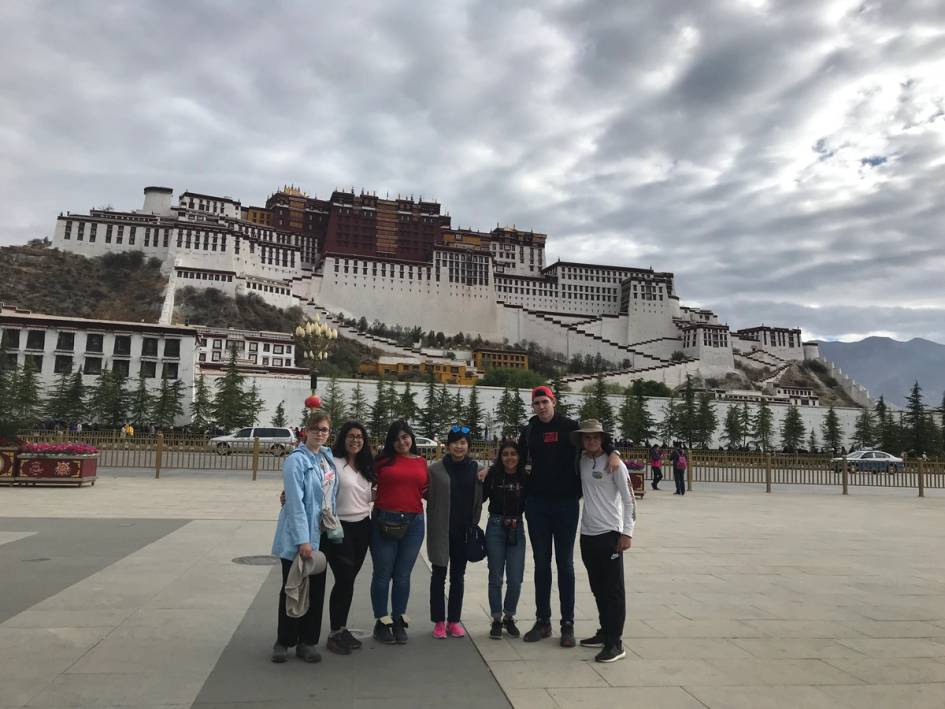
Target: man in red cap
{"x": 551, "y": 509}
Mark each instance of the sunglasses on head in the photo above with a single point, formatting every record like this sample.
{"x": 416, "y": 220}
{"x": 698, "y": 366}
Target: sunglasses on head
{"x": 456, "y": 428}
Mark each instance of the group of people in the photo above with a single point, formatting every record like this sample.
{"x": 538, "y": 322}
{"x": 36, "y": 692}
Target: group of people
{"x": 678, "y": 460}
{"x": 340, "y": 501}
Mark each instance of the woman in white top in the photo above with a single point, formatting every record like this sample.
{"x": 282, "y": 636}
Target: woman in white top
{"x": 356, "y": 481}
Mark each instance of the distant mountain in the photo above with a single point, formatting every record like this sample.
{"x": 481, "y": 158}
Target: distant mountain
{"x": 889, "y": 367}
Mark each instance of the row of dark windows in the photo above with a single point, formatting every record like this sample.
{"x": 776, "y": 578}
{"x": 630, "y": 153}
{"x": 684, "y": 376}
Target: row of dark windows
{"x": 94, "y": 342}
{"x": 65, "y": 364}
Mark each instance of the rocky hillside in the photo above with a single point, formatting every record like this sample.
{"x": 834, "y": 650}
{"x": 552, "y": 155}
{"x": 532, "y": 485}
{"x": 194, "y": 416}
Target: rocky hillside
{"x": 211, "y": 307}
{"x": 125, "y": 286}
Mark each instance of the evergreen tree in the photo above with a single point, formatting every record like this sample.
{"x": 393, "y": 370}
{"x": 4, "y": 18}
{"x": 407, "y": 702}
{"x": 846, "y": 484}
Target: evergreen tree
{"x": 140, "y": 404}
{"x": 669, "y": 425}
{"x": 706, "y": 420}
{"x": 884, "y": 430}
{"x": 914, "y": 422}
{"x": 763, "y": 425}
{"x": 444, "y": 409}
{"x": 732, "y": 431}
{"x": 168, "y": 404}
{"x": 559, "y": 389}
{"x": 459, "y": 407}
{"x": 380, "y": 411}
{"x": 74, "y": 409}
{"x": 688, "y": 413}
{"x": 429, "y": 413}
{"x": 278, "y": 418}
{"x": 746, "y": 423}
{"x": 229, "y": 402}
{"x": 7, "y": 386}
{"x": 792, "y": 430}
{"x": 201, "y": 409}
{"x": 108, "y": 400}
{"x": 473, "y": 414}
{"x": 627, "y": 416}
{"x": 359, "y": 405}
{"x": 831, "y": 431}
{"x": 26, "y": 405}
{"x": 333, "y": 403}
{"x": 511, "y": 414}
{"x": 407, "y": 406}
{"x": 863, "y": 433}
{"x": 253, "y": 405}
{"x": 597, "y": 405}
{"x": 812, "y": 440}
{"x": 55, "y": 404}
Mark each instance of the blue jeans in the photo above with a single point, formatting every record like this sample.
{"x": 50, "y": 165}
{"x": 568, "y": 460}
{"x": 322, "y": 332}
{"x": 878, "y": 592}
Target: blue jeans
{"x": 552, "y": 524}
{"x": 393, "y": 561}
{"x": 504, "y": 560}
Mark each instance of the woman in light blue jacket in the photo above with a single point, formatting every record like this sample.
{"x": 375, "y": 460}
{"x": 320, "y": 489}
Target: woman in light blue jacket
{"x": 311, "y": 487}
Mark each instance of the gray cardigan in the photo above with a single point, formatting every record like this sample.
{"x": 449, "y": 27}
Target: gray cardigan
{"x": 438, "y": 513}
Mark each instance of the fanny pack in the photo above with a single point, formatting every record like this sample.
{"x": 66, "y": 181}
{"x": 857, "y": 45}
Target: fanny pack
{"x": 393, "y": 529}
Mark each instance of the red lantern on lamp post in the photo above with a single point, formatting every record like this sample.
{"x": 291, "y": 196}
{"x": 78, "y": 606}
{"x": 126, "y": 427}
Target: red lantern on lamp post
{"x": 313, "y": 402}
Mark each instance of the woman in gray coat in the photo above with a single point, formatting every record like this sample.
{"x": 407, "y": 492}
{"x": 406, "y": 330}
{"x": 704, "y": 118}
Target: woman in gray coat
{"x": 454, "y": 504}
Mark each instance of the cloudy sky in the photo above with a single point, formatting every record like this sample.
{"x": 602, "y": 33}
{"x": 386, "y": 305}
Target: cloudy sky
{"x": 785, "y": 158}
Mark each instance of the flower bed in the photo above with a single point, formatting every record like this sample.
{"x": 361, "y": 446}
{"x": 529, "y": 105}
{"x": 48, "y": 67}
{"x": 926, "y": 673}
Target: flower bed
{"x": 60, "y": 463}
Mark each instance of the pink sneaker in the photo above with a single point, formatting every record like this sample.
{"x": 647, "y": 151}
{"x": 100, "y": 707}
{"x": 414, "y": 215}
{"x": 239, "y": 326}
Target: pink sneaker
{"x": 439, "y": 630}
{"x": 456, "y": 630}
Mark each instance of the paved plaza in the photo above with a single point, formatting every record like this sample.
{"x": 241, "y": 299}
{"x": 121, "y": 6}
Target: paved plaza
{"x": 125, "y": 595}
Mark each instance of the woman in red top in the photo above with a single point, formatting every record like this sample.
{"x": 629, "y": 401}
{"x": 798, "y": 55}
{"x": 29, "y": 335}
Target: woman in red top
{"x": 397, "y": 532}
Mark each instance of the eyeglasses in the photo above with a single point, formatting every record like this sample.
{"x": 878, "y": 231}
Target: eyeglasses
{"x": 354, "y": 437}
{"x": 456, "y": 428}
{"x": 319, "y": 429}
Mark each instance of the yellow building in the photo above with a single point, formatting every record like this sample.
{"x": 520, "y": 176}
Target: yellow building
{"x": 443, "y": 372}
{"x": 489, "y": 358}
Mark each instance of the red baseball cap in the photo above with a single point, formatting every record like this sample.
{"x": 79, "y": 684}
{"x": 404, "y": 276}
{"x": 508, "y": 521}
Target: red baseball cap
{"x": 543, "y": 391}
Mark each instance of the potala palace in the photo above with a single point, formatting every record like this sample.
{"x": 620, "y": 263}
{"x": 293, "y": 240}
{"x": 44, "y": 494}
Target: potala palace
{"x": 400, "y": 261}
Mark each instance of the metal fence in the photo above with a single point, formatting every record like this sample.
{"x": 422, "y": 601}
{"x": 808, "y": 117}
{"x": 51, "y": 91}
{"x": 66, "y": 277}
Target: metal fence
{"x": 193, "y": 452}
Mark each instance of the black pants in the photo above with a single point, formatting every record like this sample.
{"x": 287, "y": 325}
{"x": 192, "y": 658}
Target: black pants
{"x": 657, "y": 475}
{"x": 457, "y": 570}
{"x": 605, "y": 572}
{"x": 345, "y": 561}
{"x": 680, "y": 477}
{"x": 306, "y": 629}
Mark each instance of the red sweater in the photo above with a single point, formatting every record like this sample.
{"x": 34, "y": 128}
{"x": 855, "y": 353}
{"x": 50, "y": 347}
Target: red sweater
{"x": 400, "y": 484}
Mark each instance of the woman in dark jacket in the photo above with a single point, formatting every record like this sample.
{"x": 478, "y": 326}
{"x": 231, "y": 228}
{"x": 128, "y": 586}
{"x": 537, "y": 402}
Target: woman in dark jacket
{"x": 454, "y": 505}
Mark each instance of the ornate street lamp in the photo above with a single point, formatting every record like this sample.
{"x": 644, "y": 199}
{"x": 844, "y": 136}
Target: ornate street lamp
{"x": 314, "y": 340}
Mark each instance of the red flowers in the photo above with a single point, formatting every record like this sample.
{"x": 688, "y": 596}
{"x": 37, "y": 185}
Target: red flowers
{"x": 59, "y": 448}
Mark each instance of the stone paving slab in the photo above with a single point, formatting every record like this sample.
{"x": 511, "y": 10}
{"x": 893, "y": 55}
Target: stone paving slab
{"x": 736, "y": 599}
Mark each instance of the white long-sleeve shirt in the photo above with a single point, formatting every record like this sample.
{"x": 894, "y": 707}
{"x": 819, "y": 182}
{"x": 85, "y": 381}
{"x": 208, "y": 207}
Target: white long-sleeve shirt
{"x": 609, "y": 505}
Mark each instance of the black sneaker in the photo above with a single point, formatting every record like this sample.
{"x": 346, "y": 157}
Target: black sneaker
{"x": 349, "y": 641}
{"x": 597, "y": 640}
{"x": 611, "y": 653}
{"x": 539, "y": 631}
{"x": 336, "y": 644}
{"x": 495, "y": 632}
{"x": 384, "y": 633}
{"x": 307, "y": 653}
{"x": 400, "y": 630}
{"x": 279, "y": 653}
{"x": 567, "y": 635}
{"x": 510, "y": 627}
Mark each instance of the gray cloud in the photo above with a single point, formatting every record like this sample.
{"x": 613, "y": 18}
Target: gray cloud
{"x": 775, "y": 155}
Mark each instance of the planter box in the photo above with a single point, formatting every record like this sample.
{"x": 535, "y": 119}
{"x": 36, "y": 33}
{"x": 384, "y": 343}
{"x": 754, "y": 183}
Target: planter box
{"x": 60, "y": 468}
{"x": 637, "y": 485}
{"x": 7, "y": 464}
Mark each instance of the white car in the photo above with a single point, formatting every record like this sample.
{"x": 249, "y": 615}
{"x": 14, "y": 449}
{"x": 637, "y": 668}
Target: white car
{"x": 277, "y": 441}
{"x": 869, "y": 461}
{"x": 426, "y": 446}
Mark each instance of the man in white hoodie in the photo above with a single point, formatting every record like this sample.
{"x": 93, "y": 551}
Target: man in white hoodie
{"x": 606, "y": 532}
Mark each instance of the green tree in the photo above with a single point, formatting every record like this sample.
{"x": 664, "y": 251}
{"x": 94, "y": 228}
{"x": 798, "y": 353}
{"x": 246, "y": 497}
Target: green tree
{"x": 706, "y": 420}
{"x": 278, "y": 418}
{"x": 510, "y": 415}
{"x": 763, "y": 425}
{"x": 168, "y": 404}
{"x": 430, "y": 412}
{"x": 884, "y": 429}
{"x": 359, "y": 405}
{"x": 7, "y": 386}
{"x": 108, "y": 400}
{"x": 597, "y": 406}
{"x": 140, "y": 404}
{"x": 201, "y": 409}
{"x": 459, "y": 406}
{"x": 792, "y": 430}
{"x": 669, "y": 425}
{"x": 53, "y": 408}
{"x": 407, "y": 406}
{"x": 913, "y": 422}
{"x": 473, "y": 414}
{"x": 812, "y": 440}
{"x": 515, "y": 378}
{"x": 26, "y": 405}
{"x": 831, "y": 431}
{"x": 732, "y": 431}
{"x": 688, "y": 413}
{"x": 333, "y": 403}
{"x": 253, "y": 405}
{"x": 381, "y": 413}
{"x": 559, "y": 389}
{"x": 74, "y": 409}
{"x": 229, "y": 401}
{"x": 863, "y": 433}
